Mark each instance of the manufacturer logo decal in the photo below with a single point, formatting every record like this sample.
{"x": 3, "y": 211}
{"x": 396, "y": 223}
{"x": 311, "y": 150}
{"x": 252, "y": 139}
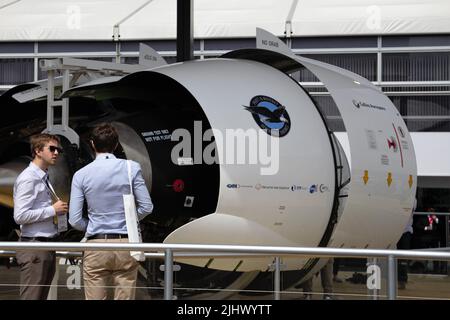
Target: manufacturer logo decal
{"x": 360, "y": 104}
{"x": 239, "y": 186}
{"x": 270, "y": 115}
{"x": 313, "y": 188}
{"x": 269, "y": 187}
{"x": 392, "y": 144}
{"x": 323, "y": 188}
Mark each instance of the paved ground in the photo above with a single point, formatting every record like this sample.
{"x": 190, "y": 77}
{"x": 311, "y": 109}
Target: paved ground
{"x": 418, "y": 287}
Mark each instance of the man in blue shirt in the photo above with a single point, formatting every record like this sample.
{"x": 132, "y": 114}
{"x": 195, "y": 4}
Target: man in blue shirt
{"x": 34, "y": 211}
{"x": 102, "y": 183}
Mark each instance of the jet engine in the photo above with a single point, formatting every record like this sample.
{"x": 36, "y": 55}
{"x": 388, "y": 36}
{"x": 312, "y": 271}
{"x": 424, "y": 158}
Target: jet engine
{"x": 235, "y": 152}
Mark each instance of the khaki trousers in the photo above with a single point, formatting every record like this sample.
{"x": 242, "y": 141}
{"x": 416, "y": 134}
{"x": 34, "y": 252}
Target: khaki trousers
{"x": 100, "y": 268}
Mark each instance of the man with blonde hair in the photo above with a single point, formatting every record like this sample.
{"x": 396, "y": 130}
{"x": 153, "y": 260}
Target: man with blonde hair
{"x": 35, "y": 208}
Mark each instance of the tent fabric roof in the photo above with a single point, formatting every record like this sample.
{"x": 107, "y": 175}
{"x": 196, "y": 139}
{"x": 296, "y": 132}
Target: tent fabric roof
{"x": 55, "y": 20}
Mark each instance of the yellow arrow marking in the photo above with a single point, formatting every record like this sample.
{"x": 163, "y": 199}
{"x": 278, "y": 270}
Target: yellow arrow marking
{"x": 410, "y": 181}
{"x": 366, "y": 176}
{"x": 389, "y": 179}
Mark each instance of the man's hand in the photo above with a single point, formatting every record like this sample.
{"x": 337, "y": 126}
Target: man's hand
{"x": 60, "y": 207}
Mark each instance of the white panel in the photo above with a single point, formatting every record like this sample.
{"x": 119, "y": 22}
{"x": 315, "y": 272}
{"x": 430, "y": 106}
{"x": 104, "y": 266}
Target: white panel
{"x": 383, "y": 162}
{"x": 230, "y": 229}
{"x": 432, "y": 152}
{"x": 383, "y": 168}
{"x": 291, "y": 202}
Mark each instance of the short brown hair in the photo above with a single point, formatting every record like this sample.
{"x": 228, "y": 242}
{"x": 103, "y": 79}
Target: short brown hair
{"x": 105, "y": 138}
{"x": 38, "y": 141}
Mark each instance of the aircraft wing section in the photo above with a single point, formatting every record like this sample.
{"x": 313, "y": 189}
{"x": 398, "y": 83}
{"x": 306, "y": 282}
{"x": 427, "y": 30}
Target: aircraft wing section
{"x": 27, "y": 91}
{"x": 91, "y": 88}
{"x": 39, "y": 89}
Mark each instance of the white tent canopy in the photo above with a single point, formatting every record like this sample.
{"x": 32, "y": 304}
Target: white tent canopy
{"x": 48, "y": 20}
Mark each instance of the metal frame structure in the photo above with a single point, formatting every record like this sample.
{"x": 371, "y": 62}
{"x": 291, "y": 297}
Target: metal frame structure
{"x": 203, "y": 53}
{"x": 171, "y": 251}
{"x": 72, "y": 69}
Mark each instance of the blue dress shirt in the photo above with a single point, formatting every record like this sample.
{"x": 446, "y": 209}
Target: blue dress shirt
{"x": 33, "y": 208}
{"x": 102, "y": 183}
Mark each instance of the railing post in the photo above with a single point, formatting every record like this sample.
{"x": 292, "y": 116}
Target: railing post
{"x": 277, "y": 278}
{"x": 168, "y": 275}
{"x": 53, "y": 292}
{"x": 374, "y": 291}
{"x": 392, "y": 277}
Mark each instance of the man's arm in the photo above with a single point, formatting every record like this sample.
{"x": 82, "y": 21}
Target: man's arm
{"x": 144, "y": 205}
{"x": 24, "y": 196}
{"x": 76, "y": 219}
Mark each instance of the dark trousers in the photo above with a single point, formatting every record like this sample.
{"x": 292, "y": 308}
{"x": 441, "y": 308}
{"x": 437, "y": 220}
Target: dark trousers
{"x": 37, "y": 269}
{"x": 326, "y": 278}
{"x": 336, "y": 263}
{"x": 402, "y": 267}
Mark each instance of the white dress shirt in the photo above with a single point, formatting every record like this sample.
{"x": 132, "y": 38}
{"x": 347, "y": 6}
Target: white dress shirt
{"x": 33, "y": 208}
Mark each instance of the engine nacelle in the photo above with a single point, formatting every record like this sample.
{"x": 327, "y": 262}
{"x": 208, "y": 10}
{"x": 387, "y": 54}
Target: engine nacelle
{"x": 236, "y": 152}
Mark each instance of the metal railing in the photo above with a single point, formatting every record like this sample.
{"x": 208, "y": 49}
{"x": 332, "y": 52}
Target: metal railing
{"x": 169, "y": 251}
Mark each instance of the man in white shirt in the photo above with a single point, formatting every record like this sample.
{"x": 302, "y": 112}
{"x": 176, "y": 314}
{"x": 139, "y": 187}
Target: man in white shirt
{"x": 34, "y": 211}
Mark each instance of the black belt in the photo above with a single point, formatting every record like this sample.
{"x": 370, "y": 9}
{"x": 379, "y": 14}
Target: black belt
{"x": 40, "y": 239}
{"x": 105, "y": 236}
